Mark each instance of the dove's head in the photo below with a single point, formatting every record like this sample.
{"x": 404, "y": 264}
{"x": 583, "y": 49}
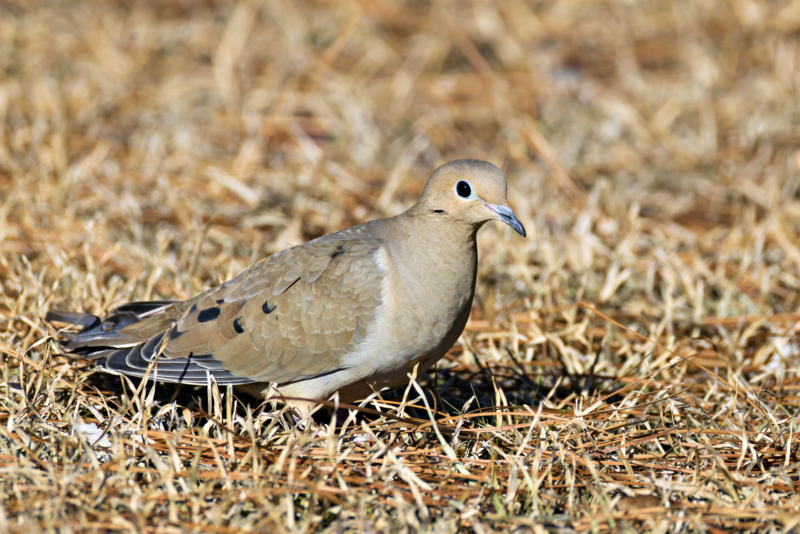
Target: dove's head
{"x": 468, "y": 191}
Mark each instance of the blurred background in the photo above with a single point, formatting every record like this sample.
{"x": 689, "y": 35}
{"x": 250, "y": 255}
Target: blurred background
{"x": 166, "y": 145}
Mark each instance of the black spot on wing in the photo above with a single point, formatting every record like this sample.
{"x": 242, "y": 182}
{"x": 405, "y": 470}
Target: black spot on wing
{"x": 208, "y": 315}
{"x": 237, "y": 325}
{"x": 339, "y": 251}
{"x": 439, "y": 211}
{"x": 267, "y": 309}
{"x": 193, "y": 308}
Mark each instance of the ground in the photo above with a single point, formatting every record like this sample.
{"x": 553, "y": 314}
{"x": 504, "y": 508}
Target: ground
{"x": 630, "y": 366}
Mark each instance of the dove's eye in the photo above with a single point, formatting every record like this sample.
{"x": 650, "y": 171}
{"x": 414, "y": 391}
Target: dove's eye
{"x": 463, "y": 189}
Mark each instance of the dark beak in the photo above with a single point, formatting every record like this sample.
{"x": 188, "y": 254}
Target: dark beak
{"x": 507, "y": 216}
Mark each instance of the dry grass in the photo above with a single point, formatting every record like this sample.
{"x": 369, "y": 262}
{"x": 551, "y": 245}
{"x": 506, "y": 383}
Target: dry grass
{"x": 652, "y": 148}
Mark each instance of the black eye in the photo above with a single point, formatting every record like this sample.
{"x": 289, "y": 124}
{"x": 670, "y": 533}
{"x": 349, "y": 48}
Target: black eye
{"x": 463, "y": 189}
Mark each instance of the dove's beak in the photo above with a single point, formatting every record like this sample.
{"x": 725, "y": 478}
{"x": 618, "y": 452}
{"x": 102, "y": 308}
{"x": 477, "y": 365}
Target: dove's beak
{"x": 505, "y": 214}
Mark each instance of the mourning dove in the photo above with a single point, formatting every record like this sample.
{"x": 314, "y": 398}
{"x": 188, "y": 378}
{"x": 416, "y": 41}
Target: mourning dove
{"x": 350, "y": 312}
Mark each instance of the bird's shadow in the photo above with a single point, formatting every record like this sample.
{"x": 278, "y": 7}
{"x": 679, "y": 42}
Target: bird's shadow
{"x": 447, "y": 393}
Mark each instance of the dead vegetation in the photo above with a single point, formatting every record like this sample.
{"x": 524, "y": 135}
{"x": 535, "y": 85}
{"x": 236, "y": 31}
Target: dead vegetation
{"x": 152, "y": 149}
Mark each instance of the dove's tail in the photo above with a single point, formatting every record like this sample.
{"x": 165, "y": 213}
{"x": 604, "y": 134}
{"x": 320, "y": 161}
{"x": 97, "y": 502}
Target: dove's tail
{"x": 97, "y": 335}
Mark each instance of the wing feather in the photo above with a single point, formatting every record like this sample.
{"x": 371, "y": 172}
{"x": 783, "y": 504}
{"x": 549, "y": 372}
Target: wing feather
{"x": 290, "y": 317}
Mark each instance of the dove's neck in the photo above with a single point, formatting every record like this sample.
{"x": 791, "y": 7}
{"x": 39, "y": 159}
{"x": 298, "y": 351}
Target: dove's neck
{"x": 434, "y": 244}
{"x": 433, "y": 256}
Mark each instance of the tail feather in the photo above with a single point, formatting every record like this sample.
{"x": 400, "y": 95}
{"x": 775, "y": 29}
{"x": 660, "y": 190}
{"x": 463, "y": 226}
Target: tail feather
{"x": 184, "y": 371}
{"x": 95, "y": 333}
{"x": 84, "y": 320}
{"x": 145, "y": 309}
{"x": 121, "y": 352}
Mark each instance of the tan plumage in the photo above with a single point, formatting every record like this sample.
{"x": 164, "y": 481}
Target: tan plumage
{"x": 352, "y": 311}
